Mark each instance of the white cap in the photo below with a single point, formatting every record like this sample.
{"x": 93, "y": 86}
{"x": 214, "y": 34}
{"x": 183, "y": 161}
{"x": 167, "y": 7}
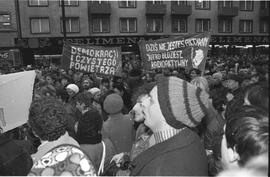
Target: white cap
{"x": 94, "y": 90}
{"x": 73, "y": 87}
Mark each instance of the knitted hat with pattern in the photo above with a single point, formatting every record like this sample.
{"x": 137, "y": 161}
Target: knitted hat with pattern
{"x": 180, "y": 102}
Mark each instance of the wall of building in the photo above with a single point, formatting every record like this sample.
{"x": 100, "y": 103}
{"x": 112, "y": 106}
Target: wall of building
{"x": 54, "y": 12}
{"x": 7, "y": 35}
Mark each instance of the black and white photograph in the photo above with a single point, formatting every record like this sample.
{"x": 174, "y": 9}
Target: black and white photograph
{"x": 134, "y": 88}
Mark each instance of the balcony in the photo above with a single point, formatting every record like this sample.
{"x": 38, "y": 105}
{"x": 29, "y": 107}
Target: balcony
{"x": 264, "y": 13}
{"x": 181, "y": 10}
{"x": 96, "y": 8}
{"x": 155, "y": 9}
{"x": 228, "y": 11}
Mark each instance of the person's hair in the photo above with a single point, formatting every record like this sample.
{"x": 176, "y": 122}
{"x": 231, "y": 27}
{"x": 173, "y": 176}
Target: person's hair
{"x": 257, "y": 166}
{"x": 126, "y": 96}
{"x": 201, "y": 82}
{"x": 258, "y": 95}
{"x": 141, "y": 90}
{"x": 105, "y": 80}
{"x": 219, "y": 98}
{"x": 85, "y": 97}
{"x": 198, "y": 72}
{"x": 247, "y": 132}
{"x": 47, "y": 118}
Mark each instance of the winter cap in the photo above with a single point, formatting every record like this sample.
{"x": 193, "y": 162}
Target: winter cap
{"x": 64, "y": 160}
{"x": 94, "y": 90}
{"x": 73, "y": 87}
{"x": 113, "y": 104}
{"x": 180, "y": 102}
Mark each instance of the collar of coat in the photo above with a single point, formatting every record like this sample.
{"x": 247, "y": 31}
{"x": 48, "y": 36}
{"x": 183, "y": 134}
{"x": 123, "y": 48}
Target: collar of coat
{"x": 178, "y": 141}
{"x": 164, "y": 135}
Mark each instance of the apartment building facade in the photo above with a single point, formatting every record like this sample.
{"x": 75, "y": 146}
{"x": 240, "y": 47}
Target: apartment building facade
{"x": 124, "y": 23}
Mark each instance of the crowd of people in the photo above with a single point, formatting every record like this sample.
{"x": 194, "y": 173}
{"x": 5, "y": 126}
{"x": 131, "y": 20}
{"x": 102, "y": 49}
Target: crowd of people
{"x": 175, "y": 122}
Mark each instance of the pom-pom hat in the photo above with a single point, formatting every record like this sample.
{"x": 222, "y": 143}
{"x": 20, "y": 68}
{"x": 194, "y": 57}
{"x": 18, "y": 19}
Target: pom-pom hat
{"x": 181, "y": 103}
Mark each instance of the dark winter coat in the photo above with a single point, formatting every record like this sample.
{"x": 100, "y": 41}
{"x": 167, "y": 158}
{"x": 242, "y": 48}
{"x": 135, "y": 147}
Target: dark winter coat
{"x": 14, "y": 159}
{"x": 181, "y": 155}
{"x": 89, "y": 128}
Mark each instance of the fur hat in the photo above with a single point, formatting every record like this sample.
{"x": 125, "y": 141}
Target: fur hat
{"x": 180, "y": 102}
{"x": 73, "y": 87}
{"x": 113, "y": 104}
{"x": 64, "y": 160}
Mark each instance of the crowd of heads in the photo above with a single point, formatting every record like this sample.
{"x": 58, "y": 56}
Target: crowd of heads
{"x": 236, "y": 87}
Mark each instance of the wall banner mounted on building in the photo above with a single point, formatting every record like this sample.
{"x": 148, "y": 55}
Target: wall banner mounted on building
{"x": 184, "y": 51}
{"x": 92, "y": 59}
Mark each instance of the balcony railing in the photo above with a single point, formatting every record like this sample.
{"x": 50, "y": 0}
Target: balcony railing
{"x": 181, "y": 9}
{"x": 155, "y": 9}
{"x": 96, "y": 8}
{"x": 264, "y": 13}
{"x": 228, "y": 11}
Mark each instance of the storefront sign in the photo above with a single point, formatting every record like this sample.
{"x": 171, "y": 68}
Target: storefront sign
{"x": 133, "y": 40}
{"x": 186, "y": 51}
{"x": 92, "y": 59}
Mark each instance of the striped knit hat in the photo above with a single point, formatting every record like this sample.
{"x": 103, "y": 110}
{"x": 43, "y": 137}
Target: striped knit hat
{"x": 180, "y": 102}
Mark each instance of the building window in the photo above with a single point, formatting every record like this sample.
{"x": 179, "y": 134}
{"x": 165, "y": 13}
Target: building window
{"x": 72, "y": 25}
{"x": 264, "y": 4}
{"x": 179, "y": 25}
{"x": 264, "y": 26}
{"x": 128, "y": 25}
{"x": 101, "y": 24}
{"x": 224, "y": 4}
{"x": 202, "y": 4}
{"x": 180, "y": 2}
{"x": 38, "y": 3}
{"x": 246, "y": 5}
{"x": 5, "y": 20}
{"x": 154, "y": 24}
{"x": 40, "y": 25}
{"x": 127, "y": 4}
{"x": 225, "y": 25}
{"x": 70, "y": 2}
{"x": 202, "y": 25}
{"x": 245, "y": 26}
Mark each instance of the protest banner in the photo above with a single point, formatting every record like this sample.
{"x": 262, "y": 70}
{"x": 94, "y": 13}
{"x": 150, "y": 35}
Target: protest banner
{"x": 183, "y": 51}
{"x": 16, "y": 91}
{"x": 92, "y": 59}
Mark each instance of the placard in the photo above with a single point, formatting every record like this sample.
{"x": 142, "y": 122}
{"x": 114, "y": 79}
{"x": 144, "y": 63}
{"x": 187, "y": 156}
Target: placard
{"x": 16, "y": 91}
{"x": 188, "y": 51}
{"x": 92, "y": 59}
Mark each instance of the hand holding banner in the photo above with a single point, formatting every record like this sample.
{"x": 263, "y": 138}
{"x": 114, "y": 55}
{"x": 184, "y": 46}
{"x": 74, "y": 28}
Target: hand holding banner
{"x": 184, "y": 51}
{"x": 92, "y": 59}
